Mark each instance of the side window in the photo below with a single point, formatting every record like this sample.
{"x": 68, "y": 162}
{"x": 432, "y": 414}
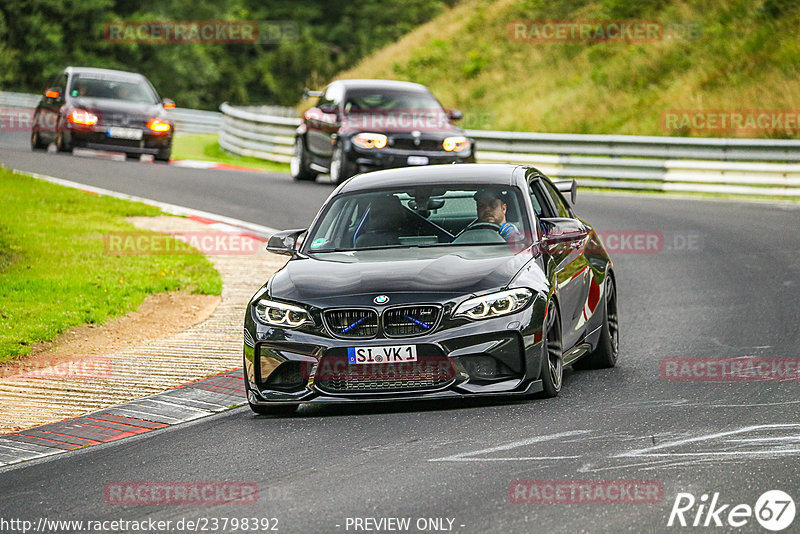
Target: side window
{"x": 560, "y": 203}
{"x": 539, "y": 200}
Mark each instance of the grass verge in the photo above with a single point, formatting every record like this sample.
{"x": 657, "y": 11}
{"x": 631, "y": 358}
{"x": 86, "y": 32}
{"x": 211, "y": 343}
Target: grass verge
{"x": 723, "y": 55}
{"x": 204, "y": 147}
{"x": 55, "y": 272}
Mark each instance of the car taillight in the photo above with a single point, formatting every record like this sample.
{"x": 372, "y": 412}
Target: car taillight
{"x": 159, "y": 126}
{"x": 82, "y": 117}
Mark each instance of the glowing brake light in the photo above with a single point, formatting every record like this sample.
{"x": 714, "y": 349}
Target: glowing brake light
{"x": 51, "y": 93}
{"x": 159, "y": 126}
{"x": 82, "y": 117}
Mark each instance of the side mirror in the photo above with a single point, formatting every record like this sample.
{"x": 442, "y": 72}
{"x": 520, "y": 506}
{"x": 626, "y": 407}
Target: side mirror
{"x": 454, "y": 115}
{"x": 568, "y": 186}
{"x": 53, "y": 93}
{"x": 308, "y": 93}
{"x": 285, "y": 243}
{"x": 561, "y": 234}
{"x": 168, "y": 104}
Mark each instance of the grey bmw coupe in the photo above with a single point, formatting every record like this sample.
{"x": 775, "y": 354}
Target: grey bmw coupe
{"x": 428, "y": 283}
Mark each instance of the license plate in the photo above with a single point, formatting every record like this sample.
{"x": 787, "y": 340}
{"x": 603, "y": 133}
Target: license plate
{"x": 125, "y": 133}
{"x": 391, "y": 354}
{"x": 417, "y": 160}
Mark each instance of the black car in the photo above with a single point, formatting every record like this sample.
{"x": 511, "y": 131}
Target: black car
{"x": 365, "y": 125}
{"x": 106, "y": 110}
{"x": 432, "y": 282}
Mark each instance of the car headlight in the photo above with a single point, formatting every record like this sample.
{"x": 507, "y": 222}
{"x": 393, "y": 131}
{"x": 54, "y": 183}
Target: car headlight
{"x": 369, "y": 140}
{"x": 280, "y": 314}
{"x": 158, "y": 125}
{"x": 494, "y": 305}
{"x": 82, "y": 117}
{"x": 456, "y": 144}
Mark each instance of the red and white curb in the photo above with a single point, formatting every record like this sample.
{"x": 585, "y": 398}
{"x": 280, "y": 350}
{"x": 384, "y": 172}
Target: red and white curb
{"x": 213, "y": 165}
{"x": 185, "y": 403}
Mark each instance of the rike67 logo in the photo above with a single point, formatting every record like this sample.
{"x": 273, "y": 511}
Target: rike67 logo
{"x": 774, "y": 510}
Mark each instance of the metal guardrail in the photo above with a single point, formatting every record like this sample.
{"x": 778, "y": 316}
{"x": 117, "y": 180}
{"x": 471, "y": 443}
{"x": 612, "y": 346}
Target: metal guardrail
{"x": 265, "y": 132}
{"x": 193, "y": 121}
{"x": 736, "y": 166}
{"x": 731, "y": 166}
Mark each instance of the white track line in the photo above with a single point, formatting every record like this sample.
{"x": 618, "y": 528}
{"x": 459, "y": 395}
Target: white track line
{"x": 469, "y": 456}
{"x": 164, "y": 206}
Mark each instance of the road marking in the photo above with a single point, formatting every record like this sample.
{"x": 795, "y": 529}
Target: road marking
{"x": 469, "y": 456}
{"x": 650, "y": 451}
{"x": 164, "y": 206}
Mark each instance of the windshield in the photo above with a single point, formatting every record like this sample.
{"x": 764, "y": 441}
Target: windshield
{"x": 423, "y": 216}
{"x": 377, "y": 100}
{"x": 112, "y": 88}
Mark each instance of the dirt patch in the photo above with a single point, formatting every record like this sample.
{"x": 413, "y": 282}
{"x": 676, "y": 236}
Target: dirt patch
{"x": 160, "y": 315}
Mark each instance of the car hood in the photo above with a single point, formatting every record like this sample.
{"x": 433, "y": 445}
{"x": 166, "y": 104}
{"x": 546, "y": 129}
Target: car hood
{"x": 355, "y": 278}
{"x": 423, "y": 121}
{"x": 105, "y": 105}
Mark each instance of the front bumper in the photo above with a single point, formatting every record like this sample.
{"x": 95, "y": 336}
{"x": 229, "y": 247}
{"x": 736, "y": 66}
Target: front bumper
{"x": 500, "y": 356}
{"x": 389, "y": 158}
{"x": 96, "y": 137}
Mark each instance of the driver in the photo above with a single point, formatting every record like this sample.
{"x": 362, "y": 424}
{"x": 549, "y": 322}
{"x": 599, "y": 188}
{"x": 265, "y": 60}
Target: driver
{"x": 491, "y": 206}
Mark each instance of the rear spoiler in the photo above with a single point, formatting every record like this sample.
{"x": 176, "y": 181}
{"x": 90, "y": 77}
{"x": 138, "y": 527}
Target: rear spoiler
{"x": 567, "y": 186}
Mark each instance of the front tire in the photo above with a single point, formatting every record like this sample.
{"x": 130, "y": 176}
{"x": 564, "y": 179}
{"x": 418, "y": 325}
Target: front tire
{"x": 36, "y": 141}
{"x": 605, "y": 355}
{"x": 163, "y": 155}
{"x": 340, "y": 169}
{"x": 62, "y": 145}
{"x": 552, "y": 360}
{"x": 298, "y": 165}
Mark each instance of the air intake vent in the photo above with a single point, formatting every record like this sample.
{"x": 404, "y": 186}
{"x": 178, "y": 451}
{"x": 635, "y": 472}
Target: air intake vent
{"x": 352, "y": 323}
{"x": 410, "y": 320}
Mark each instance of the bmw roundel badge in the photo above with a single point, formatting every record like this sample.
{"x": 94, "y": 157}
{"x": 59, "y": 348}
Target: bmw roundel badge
{"x": 380, "y": 299}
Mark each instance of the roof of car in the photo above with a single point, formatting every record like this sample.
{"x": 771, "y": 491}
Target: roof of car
{"x": 381, "y": 84}
{"x": 92, "y": 70}
{"x": 467, "y": 173}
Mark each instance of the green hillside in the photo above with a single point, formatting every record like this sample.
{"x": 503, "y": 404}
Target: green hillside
{"x": 726, "y": 56}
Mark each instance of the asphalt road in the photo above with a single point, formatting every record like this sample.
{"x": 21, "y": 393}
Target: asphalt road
{"x": 725, "y": 285}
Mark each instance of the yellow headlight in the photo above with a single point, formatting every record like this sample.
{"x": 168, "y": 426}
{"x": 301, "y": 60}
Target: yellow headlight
{"x": 370, "y": 140}
{"x": 456, "y": 144}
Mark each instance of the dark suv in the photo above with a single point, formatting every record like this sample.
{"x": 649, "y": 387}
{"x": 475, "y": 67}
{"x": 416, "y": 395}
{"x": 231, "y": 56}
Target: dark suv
{"x": 105, "y": 110}
{"x": 363, "y": 125}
